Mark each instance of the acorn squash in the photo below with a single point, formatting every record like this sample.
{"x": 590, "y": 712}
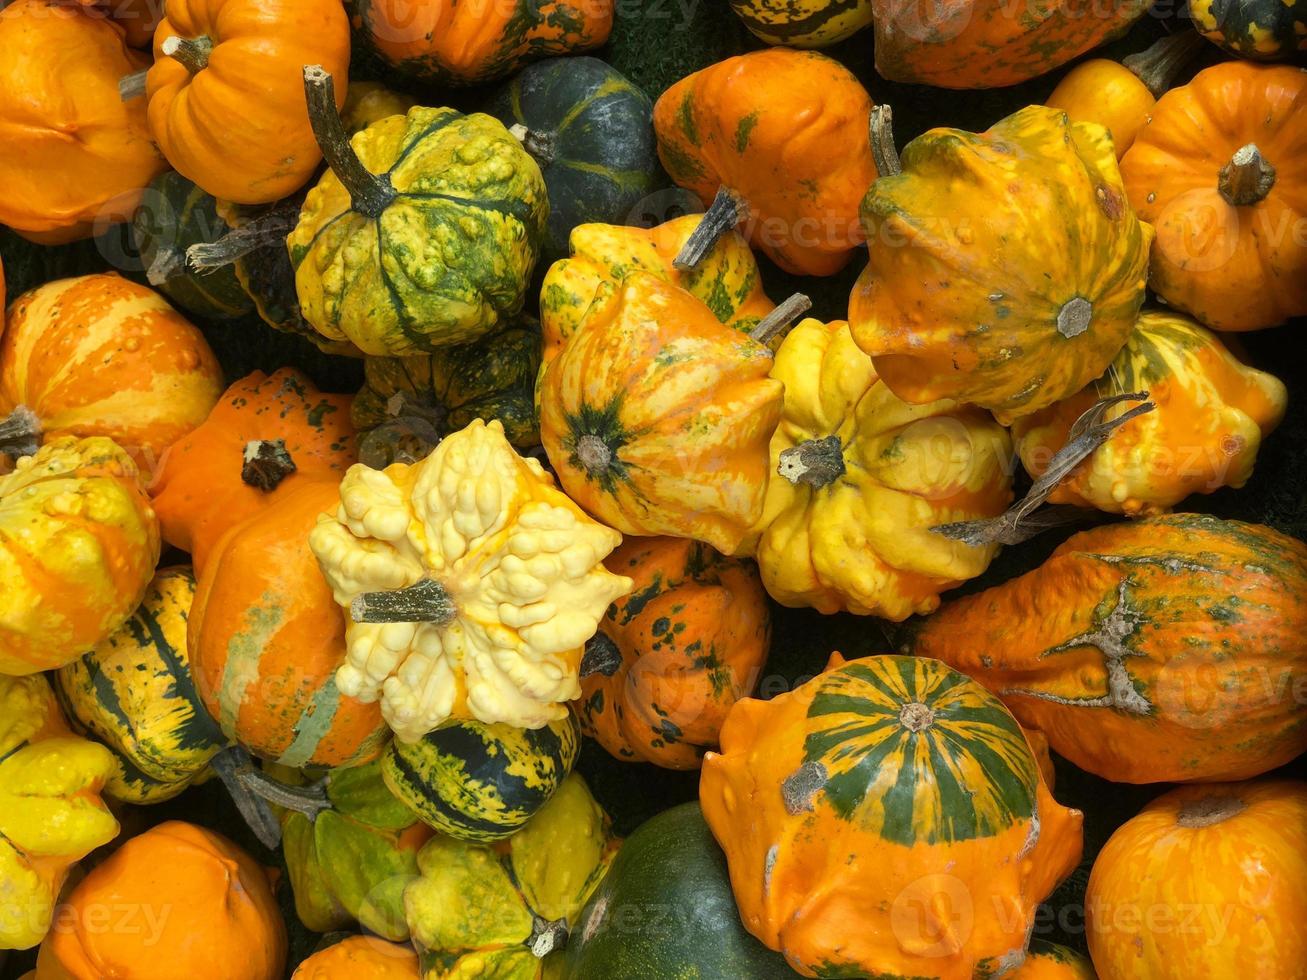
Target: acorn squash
{"x": 1261, "y": 30}
{"x": 803, "y": 23}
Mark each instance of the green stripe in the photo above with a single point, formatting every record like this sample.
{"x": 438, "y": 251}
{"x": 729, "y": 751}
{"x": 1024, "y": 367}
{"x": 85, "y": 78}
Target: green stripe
{"x": 314, "y": 722}
{"x": 244, "y": 650}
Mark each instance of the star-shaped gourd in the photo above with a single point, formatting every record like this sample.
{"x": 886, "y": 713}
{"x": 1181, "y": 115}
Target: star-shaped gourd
{"x": 471, "y": 585}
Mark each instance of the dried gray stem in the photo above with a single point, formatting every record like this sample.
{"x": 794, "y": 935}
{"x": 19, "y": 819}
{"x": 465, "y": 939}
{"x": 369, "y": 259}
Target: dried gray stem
{"x": 780, "y": 318}
{"x": 722, "y": 215}
{"x": 423, "y": 602}
{"x": 258, "y": 815}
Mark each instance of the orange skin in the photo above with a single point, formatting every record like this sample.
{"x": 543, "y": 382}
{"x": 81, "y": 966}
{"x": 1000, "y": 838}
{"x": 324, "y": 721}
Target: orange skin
{"x": 1232, "y": 267}
{"x": 137, "y": 18}
{"x": 103, "y": 356}
{"x": 1208, "y": 882}
{"x": 198, "y": 492}
{"x": 786, "y": 131}
{"x": 204, "y": 909}
{"x": 360, "y": 957}
{"x": 1046, "y": 961}
{"x": 262, "y": 602}
{"x": 1108, "y": 93}
{"x": 1213, "y": 615}
{"x": 240, "y": 127}
{"x": 75, "y": 153}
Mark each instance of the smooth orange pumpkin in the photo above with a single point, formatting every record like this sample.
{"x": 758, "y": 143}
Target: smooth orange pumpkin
{"x": 175, "y": 901}
{"x": 360, "y": 958}
{"x": 266, "y": 435}
{"x": 266, "y": 638}
{"x": 1221, "y": 172}
{"x": 1207, "y": 881}
{"x": 103, "y": 356}
{"x": 1164, "y": 649}
{"x": 74, "y": 153}
{"x": 137, "y": 18}
{"x": 226, "y": 91}
{"x": 672, "y": 656}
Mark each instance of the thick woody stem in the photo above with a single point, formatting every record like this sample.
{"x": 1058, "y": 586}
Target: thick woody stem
{"x": 192, "y": 52}
{"x": 309, "y": 800}
{"x": 132, "y": 86}
{"x": 722, "y": 215}
{"x": 262, "y": 232}
{"x": 1247, "y": 178}
{"x": 541, "y": 146}
{"x": 370, "y": 194}
{"x": 265, "y": 463}
{"x": 258, "y": 816}
{"x": 780, "y": 318}
{"x": 814, "y": 462}
{"x": 880, "y": 131}
{"x": 20, "y": 433}
{"x": 423, "y": 602}
{"x": 1159, "y": 65}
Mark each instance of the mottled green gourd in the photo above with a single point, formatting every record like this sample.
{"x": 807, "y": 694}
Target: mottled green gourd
{"x": 424, "y": 232}
{"x": 1262, "y": 30}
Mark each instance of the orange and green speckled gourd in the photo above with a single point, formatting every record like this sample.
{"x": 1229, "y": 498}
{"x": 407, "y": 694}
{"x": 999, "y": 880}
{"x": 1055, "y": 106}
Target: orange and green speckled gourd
{"x": 1050, "y": 961}
{"x": 1006, "y": 267}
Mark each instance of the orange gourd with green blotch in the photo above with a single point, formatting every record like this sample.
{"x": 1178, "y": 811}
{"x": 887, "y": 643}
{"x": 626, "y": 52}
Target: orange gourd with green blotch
{"x": 1050, "y": 961}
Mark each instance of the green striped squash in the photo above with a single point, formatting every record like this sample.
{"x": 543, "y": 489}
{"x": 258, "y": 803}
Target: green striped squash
{"x": 481, "y": 782}
{"x": 803, "y": 23}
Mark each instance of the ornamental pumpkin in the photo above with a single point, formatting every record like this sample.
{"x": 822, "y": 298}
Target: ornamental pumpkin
{"x": 780, "y": 136}
{"x": 1211, "y": 414}
{"x": 226, "y": 100}
{"x": 424, "y": 232}
{"x": 987, "y": 44}
{"x": 78, "y": 545}
{"x": 591, "y": 131}
{"x": 266, "y": 640}
{"x": 1253, "y": 29}
{"x": 360, "y": 956}
{"x": 505, "y": 910}
{"x": 1049, "y": 961}
{"x": 482, "y": 782}
{"x": 103, "y": 356}
{"x": 408, "y": 404}
{"x": 1219, "y": 171}
{"x": 1152, "y": 643}
{"x": 1120, "y": 95}
{"x": 369, "y": 102}
{"x": 75, "y": 153}
{"x": 803, "y": 23}
{"x": 137, "y": 18}
{"x": 815, "y": 796}
{"x": 51, "y": 814}
{"x": 465, "y": 43}
{"x": 673, "y": 656}
{"x": 1225, "y": 865}
{"x": 203, "y": 908}
{"x": 134, "y": 693}
{"x": 471, "y": 582}
{"x": 682, "y": 922}
{"x": 643, "y": 443}
{"x": 1025, "y": 269}
{"x": 266, "y": 435}
{"x": 859, "y": 479}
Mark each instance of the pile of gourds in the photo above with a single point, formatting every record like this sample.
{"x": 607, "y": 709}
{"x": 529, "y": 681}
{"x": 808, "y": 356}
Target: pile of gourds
{"x": 590, "y": 458}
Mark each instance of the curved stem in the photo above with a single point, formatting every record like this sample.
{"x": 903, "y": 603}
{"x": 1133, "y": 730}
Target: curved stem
{"x": 1247, "y": 178}
{"x": 192, "y": 52}
{"x": 880, "y": 132}
{"x": 1159, "y": 65}
{"x": 168, "y": 262}
{"x": 780, "y": 318}
{"x": 816, "y": 463}
{"x": 309, "y": 800}
{"x": 423, "y": 602}
{"x": 541, "y": 146}
{"x": 20, "y": 432}
{"x": 132, "y": 86}
{"x": 722, "y": 215}
{"x": 370, "y": 194}
{"x": 263, "y": 823}
{"x": 265, "y": 231}
{"x": 265, "y": 463}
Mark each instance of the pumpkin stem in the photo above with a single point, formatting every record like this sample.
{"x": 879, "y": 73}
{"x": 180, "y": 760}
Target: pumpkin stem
{"x": 192, "y": 52}
{"x": 423, "y": 602}
{"x": 722, "y": 215}
{"x": 309, "y": 800}
{"x": 168, "y": 262}
{"x": 816, "y": 463}
{"x": 546, "y": 936}
{"x": 1019, "y": 523}
{"x": 1074, "y": 317}
{"x": 593, "y": 454}
{"x": 1209, "y": 810}
{"x": 1158, "y": 65}
{"x": 780, "y": 318}
{"x": 264, "y": 231}
{"x": 602, "y": 656}
{"x": 541, "y": 146}
{"x": 1247, "y": 178}
{"x": 265, "y": 463}
{"x": 258, "y": 816}
{"x": 369, "y": 193}
{"x": 916, "y": 717}
{"x": 880, "y": 132}
{"x": 20, "y": 433}
{"x": 132, "y": 86}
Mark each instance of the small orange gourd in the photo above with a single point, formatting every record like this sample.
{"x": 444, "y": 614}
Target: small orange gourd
{"x": 1049, "y": 961}
{"x": 360, "y": 958}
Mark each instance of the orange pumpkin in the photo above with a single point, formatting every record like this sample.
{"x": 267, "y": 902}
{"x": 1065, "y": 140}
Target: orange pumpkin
{"x": 1049, "y": 961}
{"x": 1156, "y": 650}
{"x": 175, "y": 901}
{"x": 74, "y": 153}
{"x": 137, "y": 18}
{"x": 226, "y": 91}
{"x": 266, "y": 638}
{"x": 863, "y": 810}
{"x": 266, "y": 435}
{"x": 672, "y": 656}
{"x": 1221, "y": 172}
{"x": 103, "y": 356}
{"x": 360, "y": 958}
{"x": 1207, "y": 881}
{"x": 784, "y": 134}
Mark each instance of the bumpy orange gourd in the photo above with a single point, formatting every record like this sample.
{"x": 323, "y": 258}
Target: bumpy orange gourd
{"x": 1211, "y": 416}
{"x": 672, "y": 656}
{"x": 1150, "y": 651}
{"x": 786, "y": 132}
{"x": 185, "y": 901}
{"x": 266, "y": 638}
{"x": 862, "y": 811}
{"x": 465, "y": 42}
{"x": 360, "y": 957}
{"x": 1221, "y": 172}
{"x": 1006, "y": 266}
{"x": 74, "y": 152}
{"x": 103, "y": 356}
{"x": 226, "y": 101}
{"x": 213, "y": 479}
{"x": 656, "y": 417}
{"x": 1207, "y": 881}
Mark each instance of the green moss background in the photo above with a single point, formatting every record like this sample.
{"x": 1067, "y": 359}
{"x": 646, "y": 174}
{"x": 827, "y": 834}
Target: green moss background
{"x": 656, "y": 45}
